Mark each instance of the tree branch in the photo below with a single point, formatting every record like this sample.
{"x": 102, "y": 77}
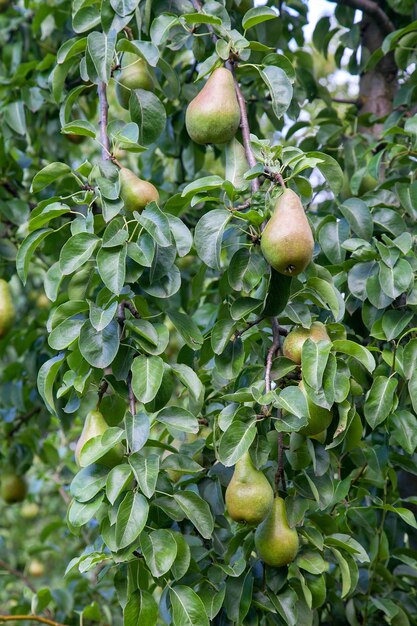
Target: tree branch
{"x": 244, "y": 125}
{"x": 18, "y": 574}
{"x": 276, "y": 176}
{"x": 132, "y": 399}
{"x": 280, "y": 475}
{"x": 22, "y": 420}
{"x": 371, "y": 8}
{"x": 29, "y": 618}
{"x": 104, "y": 111}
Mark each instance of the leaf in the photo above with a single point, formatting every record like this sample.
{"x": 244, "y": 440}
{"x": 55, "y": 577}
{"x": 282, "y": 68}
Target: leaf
{"x": 236, "y": 441}
{"x": 118, "y": 480}
{"x": 76, "y": 251}
{"x": 178, "y": 418}
{"x": 137, "y": 430}
{"x": 80, "y": 513}
{"x": 330, "y": 169}
{"x": 280, "y": 88}
{"x": 257, "y": 16}
{"x": 190, "y": 379}
{"x": 344, "y": 571}
{"x": 293, "y": 400}
{"x": 124, "y": 7}
{"x": 236, "y": 164}
{"x": 358, "y": 216}
{"x": 314, "y": 357}
{"x": 187, "y": 607}
{"x": 140, "y": 610}
{"x": 187, "y": 328}
{"x": 48, "y": 175}
{"x": 147, "y": 373}
{"x": 111, "y": 265}
{"x": 197, "y": 511}
{"x": 65, "y": 333}
{"x": 351, "y": 348}
{"x": 148, "y": 112}
{"x": 46, "y": 378}
{"x": 131, "y": 519}
{"x": 26, "y": 250}
{"x": 99, "y": 348}
{"x": 208, "y": 236}
{"x": 159, "y": 551}
{"x": 88, "y": 482}
{"x": 380, "y": 400}
{"x": 146, "y": 470}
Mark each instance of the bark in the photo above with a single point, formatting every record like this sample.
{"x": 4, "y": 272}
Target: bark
{"x": 378, "y": 86}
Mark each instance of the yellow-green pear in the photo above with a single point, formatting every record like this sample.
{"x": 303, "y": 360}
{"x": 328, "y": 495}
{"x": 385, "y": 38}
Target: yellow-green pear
{"x": 36, "y": 568}
{"x": 276, "y": 543}
{"x": 214, "y": 115}
{"x": 7, "y": 311}
{"x": 294, "y": 341}
{"x": 13, "y": 488}
{"x": 96, "y": 425}
{"x": 30, "y": 510}
{"x": 249, "y": 495}
{"x": 287, "y": 242}
{"x": 135, "y": 192}
{"x": 319, "y": 417}
{"x": 135, "y": 74}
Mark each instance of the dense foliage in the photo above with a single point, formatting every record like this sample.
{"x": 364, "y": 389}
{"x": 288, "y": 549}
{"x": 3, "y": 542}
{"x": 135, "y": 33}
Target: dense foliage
{"x": 171, "y": 322}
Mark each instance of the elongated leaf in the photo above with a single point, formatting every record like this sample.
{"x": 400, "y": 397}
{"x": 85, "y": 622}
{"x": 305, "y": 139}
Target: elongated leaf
{"x": 147, "y": 373}
{"x": 197, "y": 511}
{"x": 131, "y": 519}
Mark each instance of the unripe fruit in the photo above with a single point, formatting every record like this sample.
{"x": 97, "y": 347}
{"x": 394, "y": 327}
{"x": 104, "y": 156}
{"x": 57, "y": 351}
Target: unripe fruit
{"x": 13, "y": 488}
{"x": 294, "y": 341}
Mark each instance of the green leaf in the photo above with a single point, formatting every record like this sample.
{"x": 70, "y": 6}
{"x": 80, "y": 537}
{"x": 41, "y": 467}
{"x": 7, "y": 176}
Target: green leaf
{"x": 65, "y": 333}
{"x": 118, "y": 480}
{"x": 148, "y": 112}
{"x": 137, "y": 430}
{"x": 395, "y": 280}
{"x": 312, "y": 562}
{"x": 358, "y": 216}
{"x": 95, "y": 448}
{"x": 111, "y": 265}
{"x": 46, "y": 378}
{"x": 197, "y": 511}
{"x": 187, "y": 328}
{"x": 48, "y": 175}
{"x": 159, "y": 551}
{"x": 79, "y": 127}
{"x": 403, "y": 428}
{"x": 280, "y": 88}
{"x": 26, "y": 250}
{"x": 182, "y": 562}
{"x": 314, "y": 357}
{"x": 131, "y": 518}
{"x": 146, "y": 470}
{"x": 140, "y": 610}
{"x": 330, "y": 169}
{"x": 187, "y": 607}
{"x": 294, "y": 401}
{"x": 257, "y": 16}
{"x": 380, "y": 400}
{"x": 76, "y": 251}
{"x": 88, "y": 482}
{"x": 351, "y": 348}
{"x": 99, "y": 348}
{"x": 80, "y": 513}
{"x": 124, "y": 7}
{"x": 190, "y": 379}
{"x": 236, "y": 441}
{"x": 344, "y": 571}
{"x": 147, "y": 373}
{"x": 178, "y": 418}
{"x": 208, "y": 236}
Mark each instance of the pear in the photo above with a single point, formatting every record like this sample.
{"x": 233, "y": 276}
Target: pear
{"x": 275, "y": 542}
{"x": 287, "y": 242}
{"x": 36, "y": 568}
{"x": 319, "y": 417}
{"x": 13, "y": 488}
{"x": 135, "y": 74}
{"x": 30, "y": 510}
{"x": 293, "y": 343}
{"x": 96, "y": 425}
{"x": 249, "y": 495}
{"x": 135, "y": 192}
{"x": 214, "y": 115}
{"x": 7, "y": 311}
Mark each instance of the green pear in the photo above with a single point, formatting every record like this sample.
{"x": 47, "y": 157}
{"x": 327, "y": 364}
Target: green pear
{"x": 287, "y": 241}
{"x": 7, "y": 311}
{"x": 214, "y": 114}
{"x": 249, "y": 495}
{"x": 319, "y": 417}
{"x": 30, "y": 510}
{"x": 135, "y": 74}
{"x": 294, "y": 341}
{"x": 135, "y": 192}
{"x": 36, "y": 568}
{"x": 275, "y": 542}
{"x": 13, "y": 488}
{"x": 96, "y": 425}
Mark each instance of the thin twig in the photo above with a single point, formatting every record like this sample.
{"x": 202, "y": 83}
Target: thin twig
{"x": 249, "y": 325}
{"x": 125, "y": 304}
{"x": 275, "y": 176}
{"x": 371, "y": 8}
{"x": 280, "y": 475}
{"x": 271, "y": 353}
{"x": 101, "y": 391}
{"x": 104, "y": 111}
{"x": 244, "y": 125}
{"x": 18, "y": 574}
{"x": 29, "y": 618}
{"x": 132, "y": 399}
{"x": 357, "y": 102}
{"x": 22, "y": 420}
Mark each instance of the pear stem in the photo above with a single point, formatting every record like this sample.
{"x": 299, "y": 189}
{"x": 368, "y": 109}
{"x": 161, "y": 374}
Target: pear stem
{"x": 104, "y": 112}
